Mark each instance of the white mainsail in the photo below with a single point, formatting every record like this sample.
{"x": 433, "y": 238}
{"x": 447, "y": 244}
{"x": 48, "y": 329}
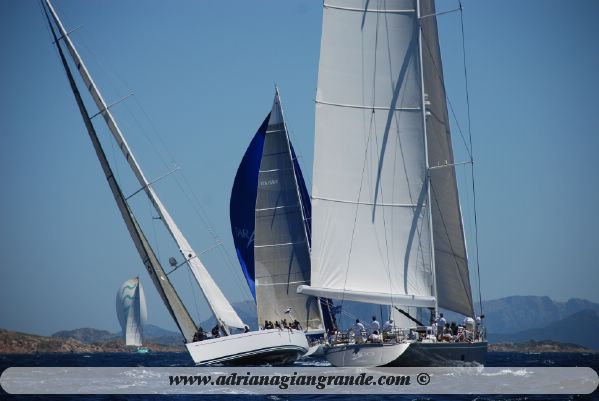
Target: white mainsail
{"x": 131, "y": 311}
{"x": 370, "y": 232}
{"x": 374, "y": 229}
{"x": 281, "y": 247}
{"x": 219, "y": 304}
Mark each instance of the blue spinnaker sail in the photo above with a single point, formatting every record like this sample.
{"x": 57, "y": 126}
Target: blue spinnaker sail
{"x": 243, "y": 204}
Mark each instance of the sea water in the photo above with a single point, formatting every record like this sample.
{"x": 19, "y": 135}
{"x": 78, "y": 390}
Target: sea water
{"x": 154, "y": 359}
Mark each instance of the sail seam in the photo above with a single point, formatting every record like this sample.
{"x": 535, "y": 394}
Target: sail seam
{"x": 275, "y": 169}
{"x": 371, "y": 10}
{"x": 365, "y": 203}
{"x": 275, "y": 207}
{"x": 282, "y": 283}
{"x": 283, "y": 244}
{"x": 366, "y": 107}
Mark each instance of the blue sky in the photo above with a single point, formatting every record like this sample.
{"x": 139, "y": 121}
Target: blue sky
{"x": 203, "y": 76}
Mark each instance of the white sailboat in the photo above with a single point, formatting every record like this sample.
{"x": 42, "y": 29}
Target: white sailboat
{"x": 248, "y": 347}
{"x": 386, "y": 223}
{"x": 269, "y": 213}
{"x": 132, "y": 312}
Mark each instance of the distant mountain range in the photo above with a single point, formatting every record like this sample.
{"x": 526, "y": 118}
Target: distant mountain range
{"x": 523, "y": 318}
{"x": 518, "y": 313}
{"x": 580, "y": 328}
{"x": 511, "y": 319}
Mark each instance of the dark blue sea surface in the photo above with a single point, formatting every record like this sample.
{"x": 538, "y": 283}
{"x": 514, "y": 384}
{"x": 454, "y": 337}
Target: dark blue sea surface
{"x": 155, "y": 359}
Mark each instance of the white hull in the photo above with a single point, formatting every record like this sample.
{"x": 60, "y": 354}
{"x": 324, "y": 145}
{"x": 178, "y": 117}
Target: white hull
{"x": 407, "y": 354}
{"x": 275, "y": 346}
{"x": 314, "y": 351}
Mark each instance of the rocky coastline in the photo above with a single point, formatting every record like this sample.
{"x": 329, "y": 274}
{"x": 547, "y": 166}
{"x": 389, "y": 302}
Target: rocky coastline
{"x": 22, "y": 343}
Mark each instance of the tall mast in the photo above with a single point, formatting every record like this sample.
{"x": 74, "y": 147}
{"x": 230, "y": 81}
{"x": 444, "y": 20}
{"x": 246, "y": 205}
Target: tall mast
{"x": 220, "y": 306}
{"x": 428, "y": 177}
{"x": 165, "y": 289}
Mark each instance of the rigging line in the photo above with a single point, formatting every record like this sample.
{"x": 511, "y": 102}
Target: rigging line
{"x": 114, "y": 81}
{"x": 373, "y": 125}
{"x": 101, "y": 132}
{"x": 156, "y": 134}
{"x": 153, "y": 224}
{"x": 471, "y": 155}
{"x": 148, "y": 139}
{"x": 364, "y": 163}
{"x": 42, "y": 10}
{"x": 440, "y": 76}
{"x": 351, "y": 243}
{"x": 394, "y": 170}
{"x": 202, "y": 214}
{"x": 108, "y": 71}
{"x": 388, "y": 267}
{"x": 162, "y": 159}
{"x": 194, "y": 296}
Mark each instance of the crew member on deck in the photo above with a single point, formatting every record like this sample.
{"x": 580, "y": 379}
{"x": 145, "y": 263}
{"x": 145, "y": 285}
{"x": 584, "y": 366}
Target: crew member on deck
{"x": 215, "y": 332}
{"x": 358, "y": 329}
{"x": 199, "y": 335}
{"x": 375, "y": 325}
{"x": 440, "y": 324}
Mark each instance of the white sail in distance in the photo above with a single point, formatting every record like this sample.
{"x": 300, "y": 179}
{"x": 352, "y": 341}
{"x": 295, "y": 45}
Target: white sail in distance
{"x": 131, "y": 311}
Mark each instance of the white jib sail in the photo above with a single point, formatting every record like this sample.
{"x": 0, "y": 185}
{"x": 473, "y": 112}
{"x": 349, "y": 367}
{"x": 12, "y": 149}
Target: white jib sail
{"x": 131, "y": 311}
{"x": 370, "y": 226}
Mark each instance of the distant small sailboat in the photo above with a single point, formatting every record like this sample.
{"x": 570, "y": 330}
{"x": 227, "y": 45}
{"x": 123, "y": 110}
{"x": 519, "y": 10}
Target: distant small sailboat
{"x": 132, "y": 313}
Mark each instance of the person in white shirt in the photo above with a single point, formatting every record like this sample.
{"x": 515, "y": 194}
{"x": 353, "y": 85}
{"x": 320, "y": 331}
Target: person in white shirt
{"x": 358, "y": 329}
{"x": 375, "y": 325}
{"x": 388, "y": 326}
